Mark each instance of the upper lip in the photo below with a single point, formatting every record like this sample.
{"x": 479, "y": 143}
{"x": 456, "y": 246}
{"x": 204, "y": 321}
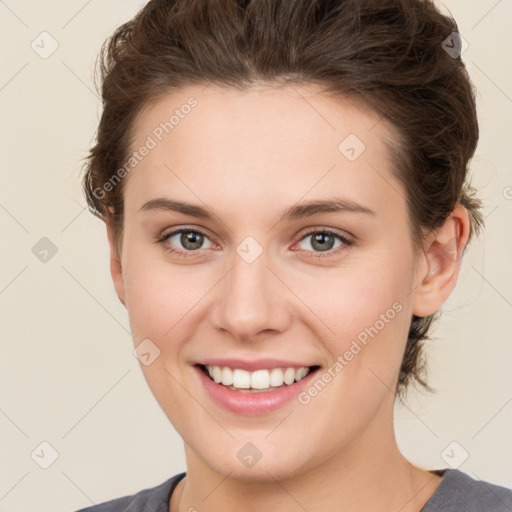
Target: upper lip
{"x": 253, "y": 365}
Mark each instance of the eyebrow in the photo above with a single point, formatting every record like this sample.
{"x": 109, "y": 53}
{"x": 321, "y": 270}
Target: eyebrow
{"x": 295, "y": 212}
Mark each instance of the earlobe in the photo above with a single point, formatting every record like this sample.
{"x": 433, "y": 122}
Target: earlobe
{"x": 443, "y": 256}
{"x": 116, "y": 270}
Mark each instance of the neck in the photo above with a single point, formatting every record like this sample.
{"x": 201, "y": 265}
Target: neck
{"x": 371, "y": 474}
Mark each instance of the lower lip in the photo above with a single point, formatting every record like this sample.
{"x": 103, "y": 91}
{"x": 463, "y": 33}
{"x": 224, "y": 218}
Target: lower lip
{"x": 252, "y": 404}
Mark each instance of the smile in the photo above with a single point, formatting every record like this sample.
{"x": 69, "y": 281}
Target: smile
{"x": 264, "y": 379}
{"x": 257, "y": 392}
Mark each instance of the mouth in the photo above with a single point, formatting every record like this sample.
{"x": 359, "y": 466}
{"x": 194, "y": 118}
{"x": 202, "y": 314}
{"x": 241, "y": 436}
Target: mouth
{"x": 262, "y": 380}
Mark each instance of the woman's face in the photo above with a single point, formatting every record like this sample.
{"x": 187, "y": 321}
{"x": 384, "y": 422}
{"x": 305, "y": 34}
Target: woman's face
{"x": 246, "y": 287}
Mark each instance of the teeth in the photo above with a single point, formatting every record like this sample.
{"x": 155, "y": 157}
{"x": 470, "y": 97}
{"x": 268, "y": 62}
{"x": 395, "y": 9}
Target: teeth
{"x": 301, "y": 373}
{"x": 241, "y": 379}
{"x": 227, "y": 376}
{"x": 217, "y": 374}
{"x": 276, "y": 377}
{"x": 259, "y": 379}
{"x": 289, "y": 376}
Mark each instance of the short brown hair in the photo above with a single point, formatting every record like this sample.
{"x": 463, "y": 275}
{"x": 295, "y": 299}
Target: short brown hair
{"x": 387, "y": 54}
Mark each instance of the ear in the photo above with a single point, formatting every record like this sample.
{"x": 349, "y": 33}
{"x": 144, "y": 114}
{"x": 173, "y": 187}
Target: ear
{"x": 441, "y": 264}
{"x": 116, "y": 270}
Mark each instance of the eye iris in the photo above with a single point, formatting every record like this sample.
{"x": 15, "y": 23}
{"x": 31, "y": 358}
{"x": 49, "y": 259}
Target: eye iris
{"x": 320, "y": 237}
{"x": 322, "y": 241}
{"x": 196, "y": 239}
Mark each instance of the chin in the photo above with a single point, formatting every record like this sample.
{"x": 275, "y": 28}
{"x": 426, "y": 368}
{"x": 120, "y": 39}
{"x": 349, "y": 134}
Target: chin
{"x": 261, "y": 472}
{"x": 269, "y": 468}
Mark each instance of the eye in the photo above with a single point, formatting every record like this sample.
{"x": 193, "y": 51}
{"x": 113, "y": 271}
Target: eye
{"x": 190, "y": 239}
{"x": 323, "y": 240}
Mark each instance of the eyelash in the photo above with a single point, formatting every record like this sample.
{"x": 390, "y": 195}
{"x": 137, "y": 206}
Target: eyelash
{"x": 347, "y": 242}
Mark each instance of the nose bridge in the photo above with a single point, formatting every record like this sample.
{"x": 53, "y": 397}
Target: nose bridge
{"x": 252, "y": 299}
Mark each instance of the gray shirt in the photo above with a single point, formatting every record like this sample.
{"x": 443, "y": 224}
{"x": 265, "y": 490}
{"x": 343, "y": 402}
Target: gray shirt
{"x": 457, "y": 492}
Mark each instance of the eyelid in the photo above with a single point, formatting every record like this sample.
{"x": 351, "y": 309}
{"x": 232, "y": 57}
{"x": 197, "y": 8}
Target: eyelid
{"x": 167, "y": 234}
{"x": 324, "y": 229}
{"x": 184, "y": 228}
{"x": 347, "y": 241}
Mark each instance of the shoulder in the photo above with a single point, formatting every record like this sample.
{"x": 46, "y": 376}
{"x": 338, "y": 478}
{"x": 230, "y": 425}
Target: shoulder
{"x": 154, "y": 499}
{"x": 459, "y": 492}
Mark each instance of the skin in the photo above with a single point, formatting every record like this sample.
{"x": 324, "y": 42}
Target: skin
{"x": 249, "y": 155}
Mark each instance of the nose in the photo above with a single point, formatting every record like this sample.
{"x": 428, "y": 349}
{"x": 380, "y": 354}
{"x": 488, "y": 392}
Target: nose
{"x": 253, "y": 300}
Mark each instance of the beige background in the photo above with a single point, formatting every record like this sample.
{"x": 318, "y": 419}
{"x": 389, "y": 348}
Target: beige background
{"x": 67, "y": 373}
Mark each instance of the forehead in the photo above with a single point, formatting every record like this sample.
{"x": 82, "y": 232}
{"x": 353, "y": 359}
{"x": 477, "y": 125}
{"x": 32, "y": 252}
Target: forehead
{"x": 273, "y": 115}
{"x": 266, "y": 145}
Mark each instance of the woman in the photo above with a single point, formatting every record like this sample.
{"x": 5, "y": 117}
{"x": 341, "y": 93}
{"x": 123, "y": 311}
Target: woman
{"x": 284, "y": 188}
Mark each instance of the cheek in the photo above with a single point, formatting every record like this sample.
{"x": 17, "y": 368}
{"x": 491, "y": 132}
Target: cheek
{"x": 356, "y": 299}
{"x": 160, "y": 303}
{"x": 163, "y": 300}
{"x": 368, "y": 315}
